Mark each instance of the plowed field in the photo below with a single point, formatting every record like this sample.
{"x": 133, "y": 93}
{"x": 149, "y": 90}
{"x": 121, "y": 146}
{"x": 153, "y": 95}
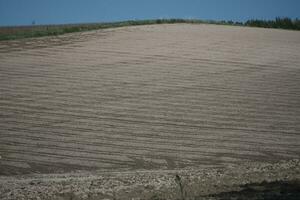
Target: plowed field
{"x": 149, "y": 97}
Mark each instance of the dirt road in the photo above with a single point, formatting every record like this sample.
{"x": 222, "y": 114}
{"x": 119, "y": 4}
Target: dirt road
{"x": 159, "y": 97}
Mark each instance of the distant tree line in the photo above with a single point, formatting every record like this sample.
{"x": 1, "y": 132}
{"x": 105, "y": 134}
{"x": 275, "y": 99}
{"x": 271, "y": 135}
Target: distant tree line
{"x": 279, "y": 22}
{"x": 283, "y": 23}
{"x": 10, "y": 33}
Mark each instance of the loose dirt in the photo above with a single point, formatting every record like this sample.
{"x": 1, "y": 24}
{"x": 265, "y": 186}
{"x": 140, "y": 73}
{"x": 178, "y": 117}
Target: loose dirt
{"x": 248, "y": 181}
{"x": 155, "y": 98}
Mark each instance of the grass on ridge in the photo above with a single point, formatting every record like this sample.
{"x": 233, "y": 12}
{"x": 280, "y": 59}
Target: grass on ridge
{"x": 19, "y": 32}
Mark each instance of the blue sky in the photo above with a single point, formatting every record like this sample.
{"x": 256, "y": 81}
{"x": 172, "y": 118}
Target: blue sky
{"x": 23, "y": 12}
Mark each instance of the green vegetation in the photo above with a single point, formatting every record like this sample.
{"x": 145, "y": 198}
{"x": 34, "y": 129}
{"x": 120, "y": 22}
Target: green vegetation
{"x": 19, "y": 32}
{"x": 283, "y": 23}
{"x": 11, "y": 33}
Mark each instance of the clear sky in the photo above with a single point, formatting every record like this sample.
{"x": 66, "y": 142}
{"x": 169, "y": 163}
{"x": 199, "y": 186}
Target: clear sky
{"x": 23, "y": 12}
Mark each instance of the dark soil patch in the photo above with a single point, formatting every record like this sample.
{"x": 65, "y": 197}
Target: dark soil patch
{"x": 268, "y": 191}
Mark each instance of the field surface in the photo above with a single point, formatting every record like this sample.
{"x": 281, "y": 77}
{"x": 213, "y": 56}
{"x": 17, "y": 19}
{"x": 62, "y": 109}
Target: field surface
{"x": 159, "y": 97}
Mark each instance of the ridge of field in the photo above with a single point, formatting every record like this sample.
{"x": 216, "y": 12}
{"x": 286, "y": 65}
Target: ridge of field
{"x": 21, "y": 32}
{"x": 149, "y": 97}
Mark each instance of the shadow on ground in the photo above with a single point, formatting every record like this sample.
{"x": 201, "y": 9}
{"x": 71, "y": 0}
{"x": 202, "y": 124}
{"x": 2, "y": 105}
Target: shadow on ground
{"x": 267, "y": 191}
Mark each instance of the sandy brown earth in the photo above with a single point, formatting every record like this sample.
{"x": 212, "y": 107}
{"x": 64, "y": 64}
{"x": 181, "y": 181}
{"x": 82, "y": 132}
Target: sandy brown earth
{"x": 156, "y": 98}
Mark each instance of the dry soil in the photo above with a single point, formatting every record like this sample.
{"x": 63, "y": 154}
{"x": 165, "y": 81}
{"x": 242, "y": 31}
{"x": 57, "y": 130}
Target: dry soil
{"x": 159, "y": 97}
